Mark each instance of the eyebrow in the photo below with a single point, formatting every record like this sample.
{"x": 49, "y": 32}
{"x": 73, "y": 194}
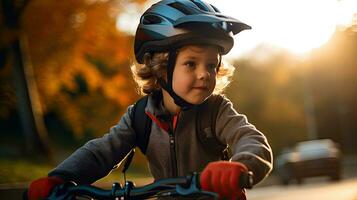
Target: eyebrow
{"x": 195, "y": 58}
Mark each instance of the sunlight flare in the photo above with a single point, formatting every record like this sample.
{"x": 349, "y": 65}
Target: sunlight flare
{"x": 295, "y": 25}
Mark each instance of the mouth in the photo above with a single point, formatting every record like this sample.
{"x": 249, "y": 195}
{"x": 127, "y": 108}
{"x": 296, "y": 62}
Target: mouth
{"x": 200, "y": 88}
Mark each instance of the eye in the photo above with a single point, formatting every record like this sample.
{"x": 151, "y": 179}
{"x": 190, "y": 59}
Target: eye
{"x": 212, "y": 66}
{"x": 190, "y": 64}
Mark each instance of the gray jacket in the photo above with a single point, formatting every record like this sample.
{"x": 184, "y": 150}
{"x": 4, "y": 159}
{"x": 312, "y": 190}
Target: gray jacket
{"x": 186, "y": 154}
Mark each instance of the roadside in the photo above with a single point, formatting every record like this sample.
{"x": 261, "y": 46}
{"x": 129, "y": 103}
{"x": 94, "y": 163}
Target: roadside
{"x": 349, "y": 170}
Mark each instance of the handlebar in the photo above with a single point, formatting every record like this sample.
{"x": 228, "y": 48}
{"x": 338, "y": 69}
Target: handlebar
{"x": 169, "y": 187}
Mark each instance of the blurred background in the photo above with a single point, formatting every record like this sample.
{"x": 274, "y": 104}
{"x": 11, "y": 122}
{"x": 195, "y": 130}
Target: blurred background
{"x": 65, "y": 78}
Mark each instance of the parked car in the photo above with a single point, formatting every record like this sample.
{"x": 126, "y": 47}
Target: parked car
{"x": 310, "y": 159}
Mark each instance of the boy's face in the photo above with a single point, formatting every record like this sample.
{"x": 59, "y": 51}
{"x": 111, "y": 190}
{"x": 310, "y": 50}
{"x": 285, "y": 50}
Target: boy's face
{"x": 194, "y": 77}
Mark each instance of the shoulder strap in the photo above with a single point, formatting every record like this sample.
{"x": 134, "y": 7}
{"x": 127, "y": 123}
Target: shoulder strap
{"x": 209, "y": 114}
{"x": 216, "y": 102}
{"x": 141, "y": 123}
{"x": 206, "y": 126}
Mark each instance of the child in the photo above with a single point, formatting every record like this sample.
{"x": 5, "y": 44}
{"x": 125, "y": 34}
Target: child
{"x": 178, "y": 45}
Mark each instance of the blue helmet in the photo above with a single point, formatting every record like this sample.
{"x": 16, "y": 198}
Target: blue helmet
{"x": 170, "y": 24}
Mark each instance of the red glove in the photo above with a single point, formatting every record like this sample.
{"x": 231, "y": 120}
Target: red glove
{"x": 41, "y": 188}
{"x": 222, "y": 177}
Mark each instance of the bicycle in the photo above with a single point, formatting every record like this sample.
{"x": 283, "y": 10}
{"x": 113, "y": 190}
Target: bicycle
{"x": 187, "y": 186}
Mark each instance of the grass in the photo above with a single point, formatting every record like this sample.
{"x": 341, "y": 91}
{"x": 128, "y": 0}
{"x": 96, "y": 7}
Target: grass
{"x": 16, "y": 174}
{"x": 17, "y": 169}
{"x": 24, "y": 171}
{"x": 13, "y": 171}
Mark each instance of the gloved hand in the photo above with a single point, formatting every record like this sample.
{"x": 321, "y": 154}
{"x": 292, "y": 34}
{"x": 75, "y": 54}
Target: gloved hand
{"x": 222, "y": 177}
{"x": 41, "y": 188}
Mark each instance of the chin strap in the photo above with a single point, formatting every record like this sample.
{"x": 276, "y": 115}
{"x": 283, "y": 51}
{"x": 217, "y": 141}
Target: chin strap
{"x": 168, "y": 85}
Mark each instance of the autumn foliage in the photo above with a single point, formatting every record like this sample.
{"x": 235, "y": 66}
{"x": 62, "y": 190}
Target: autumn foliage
{"x": 80, "y": 60}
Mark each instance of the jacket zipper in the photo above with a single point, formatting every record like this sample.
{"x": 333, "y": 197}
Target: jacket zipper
{"x": 172, "y": 150}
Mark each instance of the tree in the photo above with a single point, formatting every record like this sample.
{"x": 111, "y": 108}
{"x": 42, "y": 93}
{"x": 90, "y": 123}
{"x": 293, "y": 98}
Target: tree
{"x": 14, "y": 44}
{"x": 332, "y": 75}
{"x": 270, "y": 93}
{"x": 80, "y": 61}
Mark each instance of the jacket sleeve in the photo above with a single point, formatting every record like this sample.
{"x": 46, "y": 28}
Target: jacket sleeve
{"x": 98, "y": 157}
{"x": 249, "y": 146}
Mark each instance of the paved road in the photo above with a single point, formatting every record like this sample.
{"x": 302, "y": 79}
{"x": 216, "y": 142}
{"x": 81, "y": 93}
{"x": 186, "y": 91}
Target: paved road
{"x": 313, "y": 189}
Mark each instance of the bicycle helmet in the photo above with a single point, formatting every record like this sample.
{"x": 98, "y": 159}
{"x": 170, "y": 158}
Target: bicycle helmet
{"x": 174, "y": 23}
{"x": 171, "y": 24}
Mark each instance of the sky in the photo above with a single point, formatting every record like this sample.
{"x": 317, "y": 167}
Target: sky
{"x": 295, "y": 25}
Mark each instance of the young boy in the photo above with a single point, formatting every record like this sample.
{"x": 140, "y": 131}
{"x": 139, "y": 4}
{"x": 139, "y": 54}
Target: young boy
{"x": 179, "y": 46}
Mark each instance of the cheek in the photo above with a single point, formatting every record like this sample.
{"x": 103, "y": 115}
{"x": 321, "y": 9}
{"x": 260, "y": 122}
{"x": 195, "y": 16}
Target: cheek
{"x": 180, "y": 83}
{"x": 213, "y": 80}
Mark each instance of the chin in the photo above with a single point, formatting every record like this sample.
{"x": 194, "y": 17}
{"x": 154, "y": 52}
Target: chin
{"x": 197, "y": 100}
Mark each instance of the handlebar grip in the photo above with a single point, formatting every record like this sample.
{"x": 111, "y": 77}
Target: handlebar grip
{"x": 246, "y": 180}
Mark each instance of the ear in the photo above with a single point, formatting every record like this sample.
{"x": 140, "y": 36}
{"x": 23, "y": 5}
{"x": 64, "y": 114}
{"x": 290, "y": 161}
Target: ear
{"x": 147, "y": 59}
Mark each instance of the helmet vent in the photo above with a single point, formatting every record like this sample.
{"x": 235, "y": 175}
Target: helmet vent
{"x": 151, "y": 19}
{"x": 202, "y": 7}
{"x": 182, "y": 8}
{"x": 215, "y": 8}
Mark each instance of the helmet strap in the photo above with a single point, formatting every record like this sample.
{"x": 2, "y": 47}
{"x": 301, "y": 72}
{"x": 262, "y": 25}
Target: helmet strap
{"x": 167, "y": 86}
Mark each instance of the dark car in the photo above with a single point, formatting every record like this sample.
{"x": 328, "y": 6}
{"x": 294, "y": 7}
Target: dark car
{"x": 310, "y": 159}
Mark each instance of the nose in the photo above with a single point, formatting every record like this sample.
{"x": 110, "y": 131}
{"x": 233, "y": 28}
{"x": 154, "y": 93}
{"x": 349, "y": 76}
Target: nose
{"x": 202, "y": 73}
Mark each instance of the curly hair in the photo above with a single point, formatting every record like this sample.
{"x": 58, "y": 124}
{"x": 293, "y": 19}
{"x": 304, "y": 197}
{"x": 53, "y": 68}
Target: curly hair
{"x": 146, "y": 75}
